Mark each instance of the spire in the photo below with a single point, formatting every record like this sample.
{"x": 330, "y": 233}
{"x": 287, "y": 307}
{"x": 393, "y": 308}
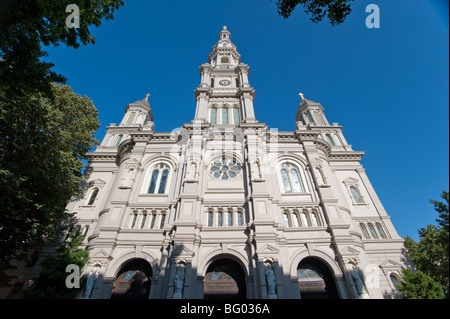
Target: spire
{"x": 224, "y": 52}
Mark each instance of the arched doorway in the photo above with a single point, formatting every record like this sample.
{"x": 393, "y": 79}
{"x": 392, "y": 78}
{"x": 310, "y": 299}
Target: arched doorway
{"x": 315, "y": 280}
{"x": 133, "y": 281}
{"x": 225, "y": 279}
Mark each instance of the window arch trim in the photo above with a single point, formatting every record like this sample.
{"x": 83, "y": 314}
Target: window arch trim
{"x": 292, "y": 177}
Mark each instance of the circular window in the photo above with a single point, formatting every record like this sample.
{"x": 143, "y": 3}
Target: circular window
{"x": 225, "y": 169}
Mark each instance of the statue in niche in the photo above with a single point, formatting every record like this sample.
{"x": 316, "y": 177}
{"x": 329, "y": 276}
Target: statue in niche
{"x": 93, "y": 275}
{"x": 178, "y": 282}
{"x": 256, "y": 171}
{"x": 356, "y": 276}
{"x": 192, "y": 171}
{"x": 128, "y": 180}
{"x": 270, "y": 279}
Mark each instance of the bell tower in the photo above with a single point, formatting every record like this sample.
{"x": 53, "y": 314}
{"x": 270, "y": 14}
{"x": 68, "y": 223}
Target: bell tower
{"x": 224, "y": 96}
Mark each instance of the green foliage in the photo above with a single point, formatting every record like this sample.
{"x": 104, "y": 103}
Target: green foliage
{"x": 42, "y": 145}
{"x": 51, "y": 281}
{"x": 431, "y": 254}
{"x": 417, "y": 285}
{"x": 336, "y": 10}
{"x": 45, "y": 129}
{"x": 26, "y": 24}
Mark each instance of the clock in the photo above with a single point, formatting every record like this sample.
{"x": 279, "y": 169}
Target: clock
{"x": 224, "y": 83}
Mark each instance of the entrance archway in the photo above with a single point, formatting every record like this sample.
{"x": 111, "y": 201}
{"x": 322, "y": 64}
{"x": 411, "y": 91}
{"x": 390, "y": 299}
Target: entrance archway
{"x": 133, "y": 281}
{"x": 225, "y": 279}
{"x": 315, "y": 280}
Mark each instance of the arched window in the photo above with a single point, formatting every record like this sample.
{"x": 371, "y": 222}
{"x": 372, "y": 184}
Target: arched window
{"x": 213, "y": 118}
{"x": 304, "y": 219}
{"x": 210, "y": 218}
{"x": 163, "y": 220}
{"x": 372, "y": 231}
{"x": 240, "y": 219}
{"x": 158, "y": 180}
{"x": 395, "y": 282}
{"x": 329, "y": 140}
{"x": 131, "y": 118}
{"x": 144, "y": 219}
{"x": 380, "y": 230}
{"x": 212, "y": 83}
{"x": 119, "y": 140}
{"x": 230, "y": 218}
{"x": 314, "y": 219}
{"x": 224, "y": 115}
{"x": 236, "y": 117}
{"x": 224, "y": 60}
{"x": 364, "y": 231}
{"x": 295, "y": 218}
{"x": 93, "y": 197}
{"x": 355, "y": 194}
{"x": 291, "y": 179}
{"x": 286, "y": 220}
{"x": 134, "y": 219}
{"x": 220, "y": 219}
{"x": 152, "y": 224}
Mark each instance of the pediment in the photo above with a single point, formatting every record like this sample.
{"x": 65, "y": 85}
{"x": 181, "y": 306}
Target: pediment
{"x": 267, "y": 250}
{"x": 98, "y": 182}
{"x": 100, "y": 254}
{"x": 390, "y": 264}
{"x": 181, "y": 251}
{"x": 350, "y": 181}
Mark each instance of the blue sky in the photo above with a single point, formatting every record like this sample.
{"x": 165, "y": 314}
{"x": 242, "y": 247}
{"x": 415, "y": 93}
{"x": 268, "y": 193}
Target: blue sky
{"x": 387, "y": 87}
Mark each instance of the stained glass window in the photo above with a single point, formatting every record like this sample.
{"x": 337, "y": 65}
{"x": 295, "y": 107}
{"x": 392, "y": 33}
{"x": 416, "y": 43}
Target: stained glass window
{"x": 240, "y": 221}
{"x": 286, "y": 220}
{"x": 153, "y": 181}
{"x": 355, "y": 194}
{"x": 210, "y": 219}
{"x": 144, "y": 218}
{"x": 213, "y": 115}
{"x": 291, "y": 179}
{"x": 220, "y": 219}
{"x": 152, "y": 225}
{"x": 363, "y": 231}
{"x": 296, "y": 181}
{"x": 93, "y": 196}
{"x": 158, "y": 181}
{"x": 162, "y": 184}
{"x": 380, "y": 230}
{"x": 225, "y": 169}
{"x": 286, "y": 183}
{"x": 163, "y": 219}
{"x": 372, "y": 231}
{"x": 224, "y": 115}
{"x": 314, "y": 219}
{"x": 236, "y": 118}
{"x": 304, "y": 219}
{"x": 329, "y": 140}
{"x": 295, "y": 218}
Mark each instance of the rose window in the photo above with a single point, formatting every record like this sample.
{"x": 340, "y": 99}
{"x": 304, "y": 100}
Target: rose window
{"x": 225, "y": 169}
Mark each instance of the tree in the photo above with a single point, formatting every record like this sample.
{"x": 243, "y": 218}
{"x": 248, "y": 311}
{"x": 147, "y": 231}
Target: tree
{"x": 26, "y": 24}
{"x": 43, "y": 145}
{"x": 51, "y": 281}
{"x": 417, "y": 285}
{"x": 45, "y": 129}
{"x": 336, "y": 10}
{"x": 431, "y": 254}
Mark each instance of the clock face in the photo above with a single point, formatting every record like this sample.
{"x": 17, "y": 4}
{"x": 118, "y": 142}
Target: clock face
{"x": 224, "y": 82}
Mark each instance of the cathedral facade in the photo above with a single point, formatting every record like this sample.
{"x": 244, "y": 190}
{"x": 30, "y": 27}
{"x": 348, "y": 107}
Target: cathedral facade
{"x": 226, "y": 207}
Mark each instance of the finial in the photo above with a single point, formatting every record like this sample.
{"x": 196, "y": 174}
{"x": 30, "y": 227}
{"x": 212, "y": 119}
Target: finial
{"x": 225, "y": 27}
{"x": 302, "y": 96}
{"x": 147, "y": 96}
